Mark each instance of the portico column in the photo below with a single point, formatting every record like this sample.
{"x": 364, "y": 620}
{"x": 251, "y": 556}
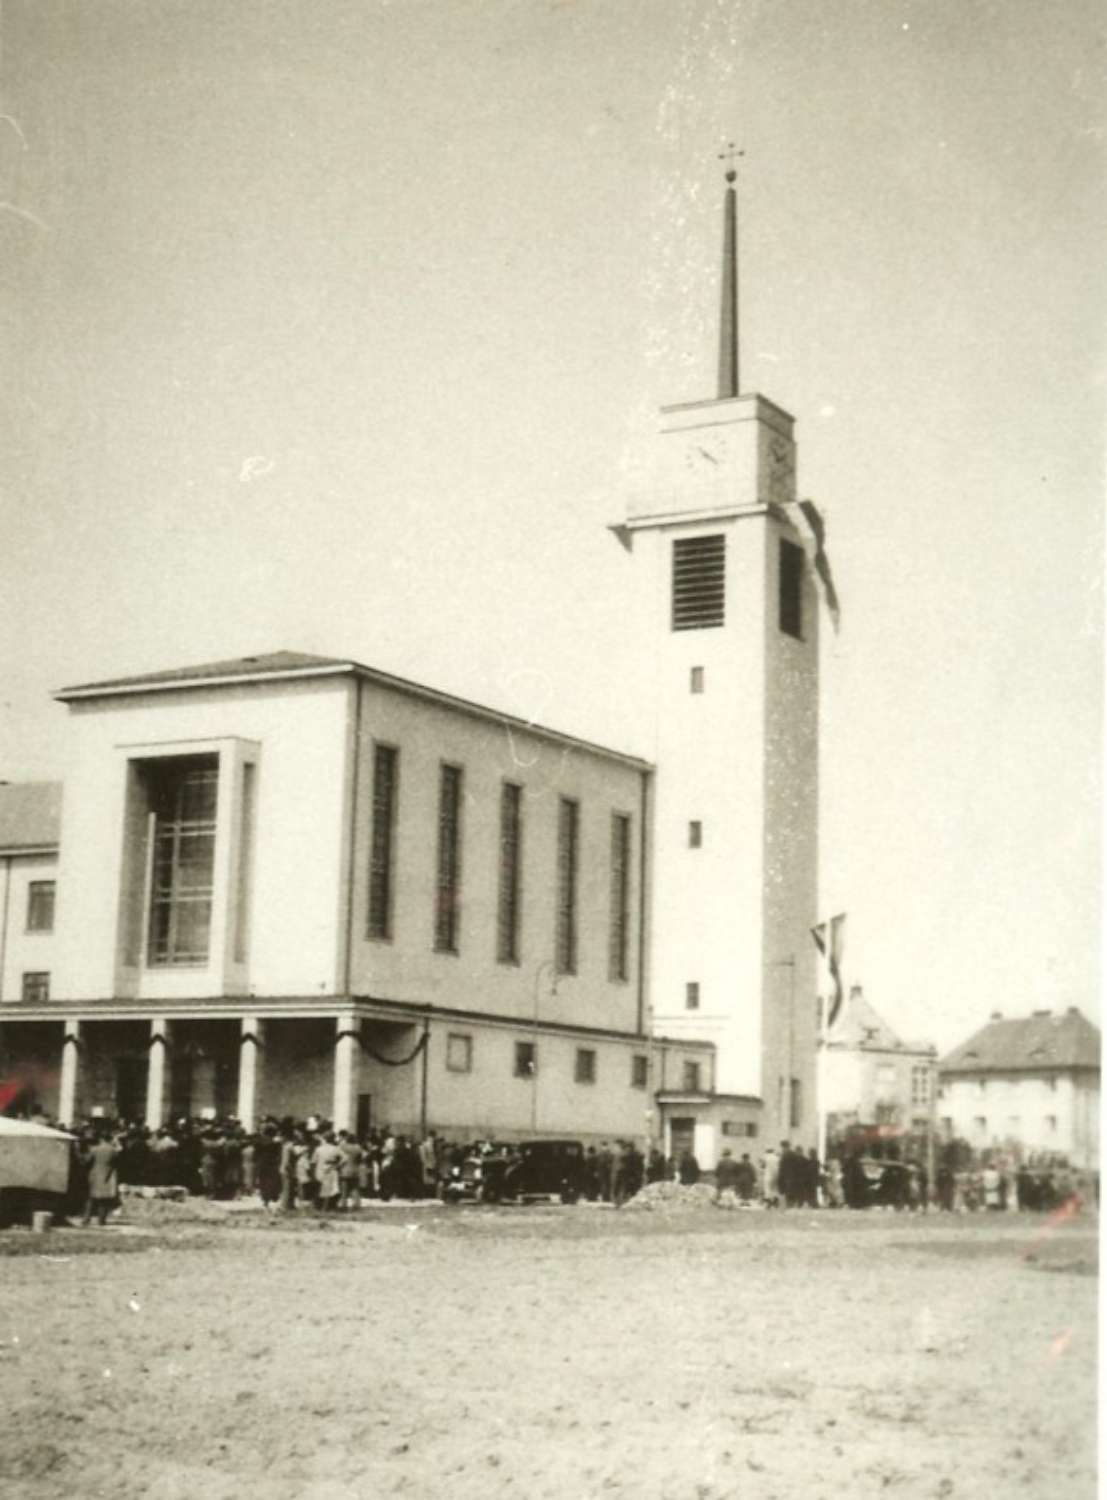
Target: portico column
{"x": 345, "y": 1071}
{"x": 248, "y": 1066}
{"x": 70, "y": 1069}
{"x": 155, "y": 1073}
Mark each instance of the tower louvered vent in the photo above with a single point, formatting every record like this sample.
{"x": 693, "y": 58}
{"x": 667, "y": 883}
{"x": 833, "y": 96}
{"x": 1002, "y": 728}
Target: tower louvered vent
{"x": 699, "y": 582}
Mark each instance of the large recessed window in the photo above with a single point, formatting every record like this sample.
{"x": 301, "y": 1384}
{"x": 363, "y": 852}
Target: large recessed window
{"x": 183, "y": 796}
{"x": 619, "y": 943}
{"x": 509, "y": 904}
{"x": 791, "y": 589}
{"x": 568, "y": 850}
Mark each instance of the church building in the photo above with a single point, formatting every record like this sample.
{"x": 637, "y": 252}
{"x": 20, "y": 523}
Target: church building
{"x": 293, "y": 885}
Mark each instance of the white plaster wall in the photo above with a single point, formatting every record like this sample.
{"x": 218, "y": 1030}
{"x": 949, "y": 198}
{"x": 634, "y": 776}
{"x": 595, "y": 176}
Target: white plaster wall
{"x": 706, "y": 908}
{"x": 1032, "y": 1100}
{"x": 23, "y": 951}
{"x": 296, "y": 886}
{"x": 407, "y": 967}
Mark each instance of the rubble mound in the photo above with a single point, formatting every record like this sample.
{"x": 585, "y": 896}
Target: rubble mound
{"x": 673, "y": 1198}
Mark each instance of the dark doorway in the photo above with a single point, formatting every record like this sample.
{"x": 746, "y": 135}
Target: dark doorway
{"x": 364, "y": 1115}
{"x": 682, "y": 1137}
{"x": 130, "y": 1087}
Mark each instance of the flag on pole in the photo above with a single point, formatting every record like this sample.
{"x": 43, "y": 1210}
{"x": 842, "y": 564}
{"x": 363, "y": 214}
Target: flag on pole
{"x": 830, "y": 940}
{"x": 810, "y": 513}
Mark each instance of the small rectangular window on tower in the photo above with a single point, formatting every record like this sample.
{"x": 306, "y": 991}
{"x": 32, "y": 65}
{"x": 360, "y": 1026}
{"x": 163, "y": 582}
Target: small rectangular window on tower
{"x": 692, "y": 995}
{"x": 695, "y": 681}
{"x": 791, "y": 589}
{"x": 699, "y": 582}
{"x": 695, "y": 835}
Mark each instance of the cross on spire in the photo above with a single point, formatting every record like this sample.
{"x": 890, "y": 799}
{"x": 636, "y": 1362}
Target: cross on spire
{"x": 731, "y": 156}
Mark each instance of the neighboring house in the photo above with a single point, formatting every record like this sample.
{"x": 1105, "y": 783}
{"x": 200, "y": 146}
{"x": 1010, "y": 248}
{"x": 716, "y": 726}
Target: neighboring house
{"x": 30, "y": 814}
{"x": 870, "y": 1077}
{"x": 1030, "y": 1084}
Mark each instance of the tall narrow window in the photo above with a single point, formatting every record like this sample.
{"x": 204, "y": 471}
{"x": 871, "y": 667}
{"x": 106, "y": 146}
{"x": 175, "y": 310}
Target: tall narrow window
{"x": 791, "y": 589}
{"x": 695, "y": 834}
{"x": 695, "y": 680}
{"x": 382, "y": 840}
{"x": 619, "y": 950}
{"x": 699, "y": 582}
{"x": 447, "y": 905}
{"x": 40, "y": 906}
{"x": 183, "y": 805}
{"x": 245, "y": 865}
{"x": 692, "y": 995}
{"x": 795, "y": 1104}
{"x": 568, "y": 836}
{"x": 691, "y": 1077}
{"x": 510, "y": 891}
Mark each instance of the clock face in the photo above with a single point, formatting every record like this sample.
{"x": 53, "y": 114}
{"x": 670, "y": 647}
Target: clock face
{"x": 705, "y": 455}
{"x": 782, "y": 469}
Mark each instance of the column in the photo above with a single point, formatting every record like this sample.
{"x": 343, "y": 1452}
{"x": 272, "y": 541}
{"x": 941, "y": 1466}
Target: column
{"x": 155, "y": 1073}
{"x": 70, "y": 1070}
{"x": 249, "y": 1064}
{"x": 346, "y": 1071}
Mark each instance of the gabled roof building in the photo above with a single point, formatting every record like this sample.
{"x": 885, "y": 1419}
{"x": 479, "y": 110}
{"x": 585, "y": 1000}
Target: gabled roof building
{"x": 1028, "y": 1084}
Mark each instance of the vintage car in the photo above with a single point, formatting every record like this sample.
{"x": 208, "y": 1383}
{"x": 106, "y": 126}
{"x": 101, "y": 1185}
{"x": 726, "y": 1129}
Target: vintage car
{"x": 527, "y": 1169}
{"x": 35, "y": 1169}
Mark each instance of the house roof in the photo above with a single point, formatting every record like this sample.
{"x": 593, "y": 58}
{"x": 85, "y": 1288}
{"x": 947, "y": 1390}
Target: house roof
{"x": 861, "y": 1027}
{"x": 1030, "y": 1044}
{"x": 30, "y": 815}
{"x": 276, "y": 666}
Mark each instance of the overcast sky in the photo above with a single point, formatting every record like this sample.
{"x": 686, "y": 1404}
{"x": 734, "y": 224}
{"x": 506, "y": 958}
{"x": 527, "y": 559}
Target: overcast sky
{"x": 341, "y": 326}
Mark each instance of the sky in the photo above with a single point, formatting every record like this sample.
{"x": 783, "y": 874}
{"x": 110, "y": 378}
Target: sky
{"x": 342, "y": 326}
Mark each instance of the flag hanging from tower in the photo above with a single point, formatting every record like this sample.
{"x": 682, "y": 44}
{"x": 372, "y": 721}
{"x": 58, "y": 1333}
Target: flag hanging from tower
{"x": 830, "y": 940}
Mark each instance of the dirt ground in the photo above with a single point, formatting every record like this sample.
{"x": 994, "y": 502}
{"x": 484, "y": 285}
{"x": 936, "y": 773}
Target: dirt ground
{"x": 551, "y": 1352}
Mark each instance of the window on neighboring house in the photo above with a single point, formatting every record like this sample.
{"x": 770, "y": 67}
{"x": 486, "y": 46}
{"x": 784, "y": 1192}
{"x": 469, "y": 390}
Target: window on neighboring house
{"x": 183, "y": 797}
{"x": 382, "y": 840}
{"x": 447, "y": 894}
{"x": 459, "y": 1052}
{"x": 920, "y": 1085}
{"x": 526, "y": 1060}
{"x": 795, "y": 1103}
{"x": 699, "y": 582}
{"x": 639, "y": 1070}
{"x": 695, "y": 680}
{"x": 695, "y": 835}
{"x": 40, "y": 906}
{"x": 511, "y": 873}
{"x": 791, "y": 589}
{"x": 691, "y": 1077}
{"x": 36, "y": 986}
{"x": 692, "y": 995}
{"x": 585, "y": 1070}
{"x": 618, "y": 965}
{"x": 568, "y": 838}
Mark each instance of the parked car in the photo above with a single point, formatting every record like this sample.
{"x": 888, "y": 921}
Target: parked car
{"x": 526, "y": 1169}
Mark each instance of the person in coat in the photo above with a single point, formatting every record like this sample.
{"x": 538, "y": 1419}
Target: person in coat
{"x": 103, "y": 1179}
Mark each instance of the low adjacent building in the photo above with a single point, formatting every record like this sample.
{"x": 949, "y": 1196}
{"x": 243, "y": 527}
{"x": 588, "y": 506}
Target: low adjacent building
{"x": 1028, "y": 1085}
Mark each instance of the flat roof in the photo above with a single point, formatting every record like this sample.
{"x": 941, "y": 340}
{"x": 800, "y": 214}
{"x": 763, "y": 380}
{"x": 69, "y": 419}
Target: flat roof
{"x": 286, "y": 666}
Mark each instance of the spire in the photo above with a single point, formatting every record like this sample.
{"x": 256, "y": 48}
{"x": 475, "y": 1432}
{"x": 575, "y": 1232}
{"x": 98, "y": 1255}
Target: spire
{"x": 728, "y": 311}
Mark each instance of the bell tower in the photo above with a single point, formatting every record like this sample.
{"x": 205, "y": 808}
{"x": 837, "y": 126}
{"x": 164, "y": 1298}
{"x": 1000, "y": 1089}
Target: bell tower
{"x": 733, "y": 614}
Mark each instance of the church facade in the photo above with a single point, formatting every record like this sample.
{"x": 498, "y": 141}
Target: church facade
{"x": 293, "y": 885}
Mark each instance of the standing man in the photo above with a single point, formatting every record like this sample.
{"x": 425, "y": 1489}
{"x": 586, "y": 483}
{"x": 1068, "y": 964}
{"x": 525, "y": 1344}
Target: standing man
{"x": 103, "y": 1180}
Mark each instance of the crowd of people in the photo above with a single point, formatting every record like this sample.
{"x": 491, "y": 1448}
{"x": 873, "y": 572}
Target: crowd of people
{"x": 290, "y": 1164}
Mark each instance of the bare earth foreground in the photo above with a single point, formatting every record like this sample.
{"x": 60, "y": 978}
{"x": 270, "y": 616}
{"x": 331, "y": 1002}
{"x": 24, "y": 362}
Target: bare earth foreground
{"x": 551, "y": 1352}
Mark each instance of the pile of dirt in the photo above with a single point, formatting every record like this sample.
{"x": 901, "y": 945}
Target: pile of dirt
{"x": 138, "y": 1209}
{"x": 673, "y": 1198}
